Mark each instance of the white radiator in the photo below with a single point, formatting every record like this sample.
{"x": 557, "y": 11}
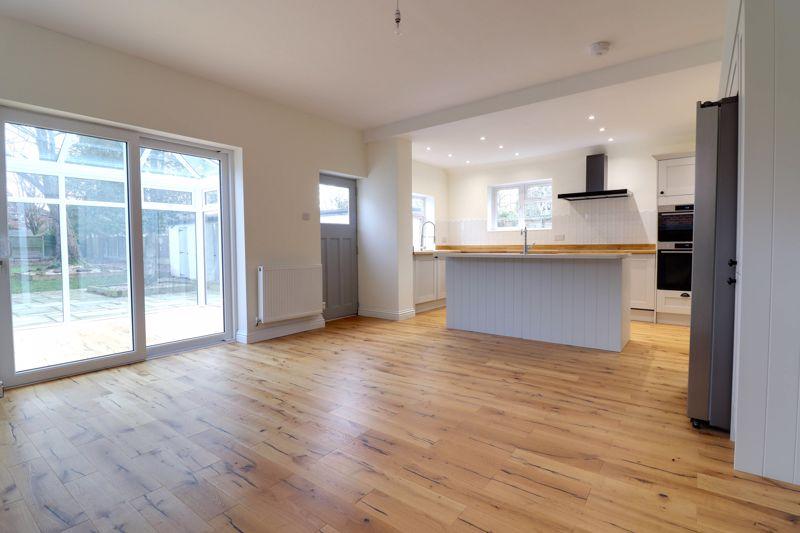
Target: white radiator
{"x": 285, "y": 293}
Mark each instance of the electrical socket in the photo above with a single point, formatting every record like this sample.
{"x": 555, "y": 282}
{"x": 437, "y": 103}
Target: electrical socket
{"x": 559, "y": 237}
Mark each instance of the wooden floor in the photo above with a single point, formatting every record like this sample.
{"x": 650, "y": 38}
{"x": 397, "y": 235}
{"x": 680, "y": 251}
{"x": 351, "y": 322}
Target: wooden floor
{"x": 371, "y": 425}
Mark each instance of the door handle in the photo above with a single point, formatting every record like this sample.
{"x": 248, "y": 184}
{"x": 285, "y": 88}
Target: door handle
{"x": 731, "y": 281}
{"x": 732, "y": 262}
{"x": 684, "y": 295}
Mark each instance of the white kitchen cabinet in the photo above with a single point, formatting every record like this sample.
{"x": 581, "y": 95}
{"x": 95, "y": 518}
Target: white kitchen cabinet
{"x": 441, "y": 272}
{"x": 424, "y": 278}
{"x": 674, "y": 302}
{"x": 429, "y": 278}
{"x": 676, "y": 177}
{"x": 643, "y": 282}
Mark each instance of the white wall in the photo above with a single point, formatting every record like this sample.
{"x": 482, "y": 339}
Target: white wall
{"x": 280, "y": 150}
{"x": 385, "y": 263}
{"x": 433, "y": 181}
{"x": 763, "y": 66}
{"x": 606, "y": 221}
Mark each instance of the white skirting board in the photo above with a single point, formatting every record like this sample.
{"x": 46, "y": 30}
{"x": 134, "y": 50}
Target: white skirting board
{"x": 386, "y": 314}
{"x": 643, "y": 315}
{"x": 430, "y": 306}
{"x": 281, "y": 329}
{"x": 674, "y": 319}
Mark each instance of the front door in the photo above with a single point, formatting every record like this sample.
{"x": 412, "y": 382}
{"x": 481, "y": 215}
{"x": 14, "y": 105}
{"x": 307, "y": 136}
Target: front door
{"x": 337, "y": 215}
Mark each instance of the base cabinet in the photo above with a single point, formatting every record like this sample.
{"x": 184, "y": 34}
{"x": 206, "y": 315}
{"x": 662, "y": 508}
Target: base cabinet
{"x": 429, "y": 278}
{"x": 643, "y": 282}
{"x": 674, "y": 302}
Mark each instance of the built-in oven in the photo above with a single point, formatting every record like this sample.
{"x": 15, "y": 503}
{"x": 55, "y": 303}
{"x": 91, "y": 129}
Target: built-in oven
{"x": 674, "y": 267}
{"x": 675, "y": 223}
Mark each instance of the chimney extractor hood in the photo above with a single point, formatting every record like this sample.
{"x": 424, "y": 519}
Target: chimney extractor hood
{"x": 596, "y": 172}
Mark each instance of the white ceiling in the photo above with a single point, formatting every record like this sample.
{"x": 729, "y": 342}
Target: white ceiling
{"x": 341, "y": 59}
{"x": 655, "y": 107}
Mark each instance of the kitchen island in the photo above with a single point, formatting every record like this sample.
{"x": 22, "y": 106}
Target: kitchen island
{"x": 572, "y": 298}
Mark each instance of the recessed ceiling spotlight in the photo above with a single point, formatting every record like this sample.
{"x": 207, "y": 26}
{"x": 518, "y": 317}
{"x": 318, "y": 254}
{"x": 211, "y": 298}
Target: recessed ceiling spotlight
{"x": 468, "y": 161}
{"x": 500, "y": 146}
{"x": 602, "y": 129}
{"x": 516, "y": 154}
{"x": 428, "y": 148}
{"x": 591, "y": 117}
{"x": 611, "y": 139}
{"x": 483, "y": 138}
{"x": 449, "y": 155}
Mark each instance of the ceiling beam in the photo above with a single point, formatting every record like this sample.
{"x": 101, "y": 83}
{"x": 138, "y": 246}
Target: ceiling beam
{"x": 683, "y": 58}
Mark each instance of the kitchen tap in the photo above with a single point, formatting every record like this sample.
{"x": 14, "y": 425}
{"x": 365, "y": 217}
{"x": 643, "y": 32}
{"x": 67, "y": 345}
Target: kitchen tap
{"x": 524, "y": 233}
{"x": 422, "y": 234}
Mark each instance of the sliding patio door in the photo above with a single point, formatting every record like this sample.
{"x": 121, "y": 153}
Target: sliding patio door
{"x": 183, "y": 261}
{"x": 111, "y": 247}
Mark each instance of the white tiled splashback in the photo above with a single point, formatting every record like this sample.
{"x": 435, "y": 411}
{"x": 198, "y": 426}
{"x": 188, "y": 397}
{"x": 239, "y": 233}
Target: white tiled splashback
{"x": 601, "y": 221}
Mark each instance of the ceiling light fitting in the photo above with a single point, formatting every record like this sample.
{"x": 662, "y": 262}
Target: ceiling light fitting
{"x": 600, "y": 48}
{"x": 397, "y": 20}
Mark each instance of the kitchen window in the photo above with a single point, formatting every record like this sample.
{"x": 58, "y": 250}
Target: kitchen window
{"x": 422, "y": 210}
{"x": 518, "y": 205}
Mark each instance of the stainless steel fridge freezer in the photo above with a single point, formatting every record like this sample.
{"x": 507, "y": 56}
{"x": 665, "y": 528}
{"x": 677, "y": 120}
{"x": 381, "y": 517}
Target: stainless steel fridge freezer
{"x": 714, "y": 264}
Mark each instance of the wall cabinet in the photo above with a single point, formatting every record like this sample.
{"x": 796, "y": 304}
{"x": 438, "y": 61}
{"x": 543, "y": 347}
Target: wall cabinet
{"x": 676, "y": 177}
{"x": 643, "y": 282}
{"x": 429, "y": 278}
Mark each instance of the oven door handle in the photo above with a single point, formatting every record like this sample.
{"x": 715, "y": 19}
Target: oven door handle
{"x": 668, "y": 213}
{"x": 674, "y": 251}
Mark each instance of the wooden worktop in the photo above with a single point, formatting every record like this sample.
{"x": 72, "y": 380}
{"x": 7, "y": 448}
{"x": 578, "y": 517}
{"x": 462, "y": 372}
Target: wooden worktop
{"x": 549, "y": 248}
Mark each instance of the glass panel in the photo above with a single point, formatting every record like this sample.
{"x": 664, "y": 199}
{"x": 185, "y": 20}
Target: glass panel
{"x": 36, "y": 284}
{"x": 98, "y": 256}
{"x": 182, "y": 261}
{"x": 29, "y": 143}
{"x": 165, "y": 196}
{"x": 213, "y": 257}
{"x": 212, "y": 197}
{"x": 95, "y": 190}
{"x": 69, "y": 266}
{"x": 418, "y": 205}
{"x": 507, "y": 207}
{"x": 334, "y": 204}
{"x": 166, "y": 163}
{"x": 539, "y": 205}
{"x": 91, "y": 151}
{"x": 26, "y": 185}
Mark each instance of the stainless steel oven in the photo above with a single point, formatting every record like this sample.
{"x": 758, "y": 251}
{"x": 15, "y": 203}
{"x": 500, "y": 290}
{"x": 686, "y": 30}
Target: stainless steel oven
{"x": 674, "y": 267}
{"x": 675, "y": 223}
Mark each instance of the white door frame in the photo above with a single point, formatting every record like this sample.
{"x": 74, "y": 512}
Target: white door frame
{"x": 134, "y": 140}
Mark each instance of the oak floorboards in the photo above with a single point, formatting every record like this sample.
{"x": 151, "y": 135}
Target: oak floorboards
{"x": 376, "y": 426}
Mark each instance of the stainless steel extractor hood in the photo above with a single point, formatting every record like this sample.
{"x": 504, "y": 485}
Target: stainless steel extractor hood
{"x": 596, "y": 180}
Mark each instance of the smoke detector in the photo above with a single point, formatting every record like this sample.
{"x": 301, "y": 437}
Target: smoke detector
{"x": 600, "y": 48}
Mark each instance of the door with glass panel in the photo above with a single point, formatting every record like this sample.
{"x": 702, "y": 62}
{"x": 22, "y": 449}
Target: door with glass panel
{"x": 337, "y": 216}
{"x": 66, "y": 284}
{"x": 109, "y": 249}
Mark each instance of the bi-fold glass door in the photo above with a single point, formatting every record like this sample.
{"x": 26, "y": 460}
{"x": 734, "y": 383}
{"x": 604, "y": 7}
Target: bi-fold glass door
{"x": 112, "y": 246}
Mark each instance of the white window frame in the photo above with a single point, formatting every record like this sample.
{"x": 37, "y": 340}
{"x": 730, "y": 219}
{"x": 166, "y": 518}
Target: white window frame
{"x": 429, "y": 208}
{"x": 521, "y": 187}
